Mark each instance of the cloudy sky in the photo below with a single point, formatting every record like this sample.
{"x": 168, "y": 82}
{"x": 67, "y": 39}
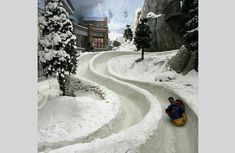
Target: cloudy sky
{"x": 119, "y": 12}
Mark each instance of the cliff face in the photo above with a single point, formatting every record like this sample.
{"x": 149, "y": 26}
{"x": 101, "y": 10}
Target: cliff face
{"x": 165, "y": 35}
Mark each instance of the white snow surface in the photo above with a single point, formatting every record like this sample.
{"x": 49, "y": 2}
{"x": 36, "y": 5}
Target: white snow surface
{"x": 129, "y": 138}
{"x": 63, "y": 120}
{"x": 68, "y": 117}
{"x": 155, "y": 69}
{"x": 153, "y": 15}
{"x": 125, "y": 46}
{"x": 148, "y": 96}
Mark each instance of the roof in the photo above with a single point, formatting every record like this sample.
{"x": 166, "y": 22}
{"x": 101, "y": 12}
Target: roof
{"x": 68, "y": 6}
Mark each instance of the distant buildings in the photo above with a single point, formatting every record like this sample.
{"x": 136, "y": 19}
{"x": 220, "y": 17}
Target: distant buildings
{"x": 92, "y": 29}
{"x": 86, "y": 29}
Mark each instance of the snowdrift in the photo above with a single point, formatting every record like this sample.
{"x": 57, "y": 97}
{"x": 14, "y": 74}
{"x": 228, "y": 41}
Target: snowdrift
{"x": 69, "y": 120}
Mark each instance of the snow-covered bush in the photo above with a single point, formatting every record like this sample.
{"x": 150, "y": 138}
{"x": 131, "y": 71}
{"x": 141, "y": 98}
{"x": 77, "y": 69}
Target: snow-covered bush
{"x": 75, "y": 84}
{"x": 57, "y": 45}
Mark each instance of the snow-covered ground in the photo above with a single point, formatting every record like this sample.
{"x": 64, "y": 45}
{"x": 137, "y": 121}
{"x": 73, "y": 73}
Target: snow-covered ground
{"x": 155, "y": 69}
{"x": 125, "y": 46}
{"x": 142, "y": 90}
{"x": 64, "y": 120}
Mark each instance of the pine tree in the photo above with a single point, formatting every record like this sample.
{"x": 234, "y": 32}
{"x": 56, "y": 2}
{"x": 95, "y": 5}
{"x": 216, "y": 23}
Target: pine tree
{"x": 128, "y": 34}
{"x": 143, "y": 37}
{"x": 57, "y": 44}
{"x": 190, "y": 26}
{"x": 136, "y": 20}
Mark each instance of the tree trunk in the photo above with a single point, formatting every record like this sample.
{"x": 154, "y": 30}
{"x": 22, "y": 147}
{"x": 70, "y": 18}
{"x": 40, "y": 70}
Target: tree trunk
{"x": 142, "y": 55}
{"x": 61, "y": 84}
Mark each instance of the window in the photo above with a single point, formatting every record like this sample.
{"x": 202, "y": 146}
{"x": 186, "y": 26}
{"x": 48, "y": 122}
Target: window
{"x": 98, "y": 42}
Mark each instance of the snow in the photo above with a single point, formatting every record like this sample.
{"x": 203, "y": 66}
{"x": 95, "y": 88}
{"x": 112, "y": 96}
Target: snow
{"x": 125, "y": 46}
{"x": 164, "y": 132}
{"x": 63, "y": 120}
{"x": 155, "y": 69}
{"x": 152, "y": 15}
{"x": 129, "y": 138}
{"x": 192, "y": 30}
{"x": 136, "y": 20}
{"x": 145, "y": 70}
{"x": 72, "y": 117}
{"x": 53, "y": 39}
{"x": 142, "y": 90}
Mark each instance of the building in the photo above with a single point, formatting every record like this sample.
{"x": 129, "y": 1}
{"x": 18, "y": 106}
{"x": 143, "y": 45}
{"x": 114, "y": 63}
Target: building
{"x": 86, "y": 29}
{"x": 93, "y": 30}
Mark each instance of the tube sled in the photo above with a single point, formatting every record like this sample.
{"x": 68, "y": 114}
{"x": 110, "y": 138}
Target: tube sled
{"x": 179, "y": 121}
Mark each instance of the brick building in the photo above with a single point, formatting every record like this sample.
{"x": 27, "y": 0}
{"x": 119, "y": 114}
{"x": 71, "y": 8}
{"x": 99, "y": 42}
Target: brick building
{"x": 93, "y": 30}
{"x": 87, "y": 29}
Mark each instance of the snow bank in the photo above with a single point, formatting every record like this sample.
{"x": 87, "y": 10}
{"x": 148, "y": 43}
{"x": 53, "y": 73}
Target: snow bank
{"x": 67, "y": 120}
{"x": 154, "y": 69}
{"x": 125, "y": 47}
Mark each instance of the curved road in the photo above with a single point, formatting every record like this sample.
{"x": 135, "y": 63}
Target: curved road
{"x": 128, "y": 105}
{"x": 175, "y": 139}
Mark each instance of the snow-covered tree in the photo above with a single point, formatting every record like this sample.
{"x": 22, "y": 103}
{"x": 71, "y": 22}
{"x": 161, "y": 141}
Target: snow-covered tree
{"x": 136, "y": 20}
{"x": 190, "y": 26}
{"x": 143, "y": 37}
{"x": 57, "y": 43}
{"x": 128, "y": 34}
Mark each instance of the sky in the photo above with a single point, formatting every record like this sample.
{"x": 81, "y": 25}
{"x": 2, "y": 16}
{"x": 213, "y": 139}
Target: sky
{"x": 113, "y": 9}
{"x": 119, "y": 12}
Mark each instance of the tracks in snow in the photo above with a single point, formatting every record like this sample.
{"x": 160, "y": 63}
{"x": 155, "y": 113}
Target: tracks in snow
{"x": 174, "y": 139}
{"x": 141, "y": 115}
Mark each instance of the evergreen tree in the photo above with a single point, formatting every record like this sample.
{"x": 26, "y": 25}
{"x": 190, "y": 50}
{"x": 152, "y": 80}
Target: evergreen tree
{"x": 57, "y": 44}
{"x": 128, "y": 34}
{"x": 136, "y": 20}
{"x": 143, "y": 37}
{"x": 190, "y": 26}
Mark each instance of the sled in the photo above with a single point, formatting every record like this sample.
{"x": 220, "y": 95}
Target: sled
{"x": 180, "y": 121}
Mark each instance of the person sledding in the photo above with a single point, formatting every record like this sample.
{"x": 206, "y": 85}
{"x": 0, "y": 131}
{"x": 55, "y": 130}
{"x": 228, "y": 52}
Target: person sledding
{"x": 176, "y": 112}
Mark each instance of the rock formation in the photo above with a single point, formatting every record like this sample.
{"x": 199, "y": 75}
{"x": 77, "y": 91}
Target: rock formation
{"x": 164, "y": 30}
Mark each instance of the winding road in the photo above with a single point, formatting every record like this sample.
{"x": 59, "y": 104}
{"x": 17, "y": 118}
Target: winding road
{"x": 175, "y": 139}
{"x": 143, "y": 126}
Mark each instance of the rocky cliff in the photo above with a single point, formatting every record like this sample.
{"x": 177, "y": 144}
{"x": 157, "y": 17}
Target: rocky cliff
{"x": 164, "y": 29}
